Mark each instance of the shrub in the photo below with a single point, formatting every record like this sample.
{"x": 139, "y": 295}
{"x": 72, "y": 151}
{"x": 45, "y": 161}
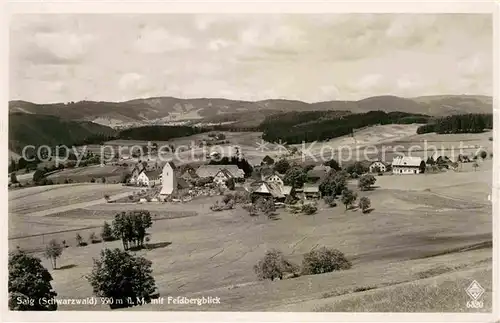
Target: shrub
{"x": 348, "y": 198}
{"x": 309, "y": 209}
{"x": 364, "y": 204}
{"x": 483, "y": 154}
{"x": 92, "y": 180}
{"x": 324, "y": 260}
{"x": 330, "y": 201}
{"x": 290, "y": 200}
{"x": 217, "y": 206}
{"x": 103, "y": 180}
{"x": 265, "y": 206}
{"x": 274, "y": 265}
{"x": 93, "y": 238}
{"x": 79, "y": 241}
{"x": 227, "y": 198}
{"x": 242, "y": 197}
{"x": 13, "y": 178}
{"x": 366, "y": 181}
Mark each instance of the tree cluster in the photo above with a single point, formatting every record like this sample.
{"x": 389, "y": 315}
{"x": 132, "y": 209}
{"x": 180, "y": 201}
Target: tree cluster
{"x": 131, "y": 228}
{"x": 463, "y": 123}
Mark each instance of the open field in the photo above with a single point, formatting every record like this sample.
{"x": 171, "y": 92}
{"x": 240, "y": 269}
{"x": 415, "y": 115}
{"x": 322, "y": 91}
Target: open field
{"x": 111, "y": 173}
{"x": 420, "y": 228}
{"x": 39, "y": 198}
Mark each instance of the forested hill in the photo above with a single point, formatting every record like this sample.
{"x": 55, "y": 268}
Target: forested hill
{"x": 169, "y": 109}
{"x": 30, "y": 129}
{"x": 297, "y": 127}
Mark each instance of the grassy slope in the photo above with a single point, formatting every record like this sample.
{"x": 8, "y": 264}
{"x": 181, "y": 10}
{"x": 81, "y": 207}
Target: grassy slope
{"x": 442, "y": 293}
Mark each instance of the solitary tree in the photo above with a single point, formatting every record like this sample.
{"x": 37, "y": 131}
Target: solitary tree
{"x": 29, "y": 282}
{"x": 79, "y": 239}
{"x": 475, "y": 165}
{"x": 107, "y": 232}
{"x": 348, "y": 198}
{"x": 125, "y": 279}
{"x": 53, "y": 251}
{"x": 333, "y": 164}
{"x": 366, "y": 181}
{"x": 38, "y": 175}
{"x": 334, "y": 183}
{"x": 282, "y": 166}
{"x": 364, "y": 204}
{"x": 268, "y": 160}
{"x": 295, "y": 177}
{"x": 483, "y": 154}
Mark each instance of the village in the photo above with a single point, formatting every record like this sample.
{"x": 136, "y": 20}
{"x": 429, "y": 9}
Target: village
{"x": 272, "y": 180}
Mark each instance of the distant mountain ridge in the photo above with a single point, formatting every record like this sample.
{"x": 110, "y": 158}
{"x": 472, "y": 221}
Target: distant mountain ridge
{"x": 164, "y": 110}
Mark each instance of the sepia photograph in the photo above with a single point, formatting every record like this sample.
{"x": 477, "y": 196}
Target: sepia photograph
{"x": 336, "y": 162}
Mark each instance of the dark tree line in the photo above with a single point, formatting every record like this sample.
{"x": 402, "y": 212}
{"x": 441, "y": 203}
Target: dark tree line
{"x": 296, "y": 127}
{"x": 160, "y": 132}
{"x": 463, "y": 123}
{"x": 95, "y": 139}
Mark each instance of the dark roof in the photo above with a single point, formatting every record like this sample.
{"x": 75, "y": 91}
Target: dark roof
{"x": 182, "y": 183}
{"x": 155, "y": 173}
{"x": 171, "y": 163}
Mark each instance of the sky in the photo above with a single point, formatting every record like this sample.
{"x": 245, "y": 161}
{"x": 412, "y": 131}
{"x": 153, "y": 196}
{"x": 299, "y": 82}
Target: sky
{"x": 308, "y": 57}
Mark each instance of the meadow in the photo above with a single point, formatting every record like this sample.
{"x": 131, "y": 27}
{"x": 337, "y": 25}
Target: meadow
{"x": 418, "y": 237}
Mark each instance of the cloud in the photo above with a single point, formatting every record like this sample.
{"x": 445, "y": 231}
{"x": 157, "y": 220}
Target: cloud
{"x": 54, "y": 47}
{"x": 218, "y": 44}
{"x": 308, "y": 57}
{"x": 160, "y": 40}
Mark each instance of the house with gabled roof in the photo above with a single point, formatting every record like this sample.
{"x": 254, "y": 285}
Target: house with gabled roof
{"x": 205, "y": 171}
{"x": 318, "y": 172}
{"x": 405, "y": 165}
{"x": 377, "y": 167}
{"x": 222, "y": 176}
{"x": 273, "y": 178}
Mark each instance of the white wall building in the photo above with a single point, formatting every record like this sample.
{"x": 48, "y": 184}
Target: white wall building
{"x": 168, "y": 179}
{"x": 407, "y": 165}
{"x": 378, "y": 164}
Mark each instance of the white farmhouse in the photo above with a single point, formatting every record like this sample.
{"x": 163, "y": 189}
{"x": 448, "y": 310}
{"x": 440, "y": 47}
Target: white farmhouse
{"x": 407, "y": 165}
{"x": 377, "y": 165}
{"x": 148, "y": 178}
{"x": 222, "y": 177}
{"x": 168, "y": 179}
{"x": 273, "y": 178}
